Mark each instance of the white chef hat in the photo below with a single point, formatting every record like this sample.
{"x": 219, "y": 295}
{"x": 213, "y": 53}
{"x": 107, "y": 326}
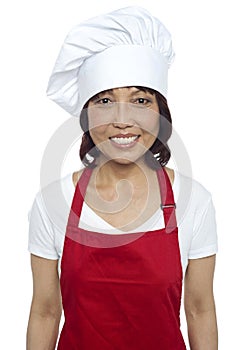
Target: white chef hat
{"x": 127, "y": 47}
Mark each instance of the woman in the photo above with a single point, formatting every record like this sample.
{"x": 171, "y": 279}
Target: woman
{"x": 131, "y": 238}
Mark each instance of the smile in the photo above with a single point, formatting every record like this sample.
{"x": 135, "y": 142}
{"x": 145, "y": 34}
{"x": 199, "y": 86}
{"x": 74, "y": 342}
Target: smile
{"x": 124, "y": 140}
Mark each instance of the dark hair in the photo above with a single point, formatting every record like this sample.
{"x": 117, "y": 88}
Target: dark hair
{"x": 158, "y": 154}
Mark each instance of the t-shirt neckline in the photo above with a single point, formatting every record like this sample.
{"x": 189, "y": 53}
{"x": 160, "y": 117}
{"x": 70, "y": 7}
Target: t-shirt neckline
{"x": 103, "y": 225}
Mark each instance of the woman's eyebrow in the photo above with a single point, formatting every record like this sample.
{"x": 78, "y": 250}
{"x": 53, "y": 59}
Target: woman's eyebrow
{"x": 140, "y": 90}
{"x": 137, "y": 91}
{"x": 110, "y": 91}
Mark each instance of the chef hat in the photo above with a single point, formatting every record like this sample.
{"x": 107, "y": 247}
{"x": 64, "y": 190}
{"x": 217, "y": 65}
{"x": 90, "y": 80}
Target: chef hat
{"x": 127, "y": 47}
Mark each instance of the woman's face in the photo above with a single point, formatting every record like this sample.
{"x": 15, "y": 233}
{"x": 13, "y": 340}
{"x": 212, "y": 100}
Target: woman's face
{"x": 123, "y": 123}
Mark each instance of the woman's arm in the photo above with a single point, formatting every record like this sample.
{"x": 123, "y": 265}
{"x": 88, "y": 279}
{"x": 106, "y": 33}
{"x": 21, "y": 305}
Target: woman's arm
{"x": 199, "y": 304}
{"x": 46, "y": 308}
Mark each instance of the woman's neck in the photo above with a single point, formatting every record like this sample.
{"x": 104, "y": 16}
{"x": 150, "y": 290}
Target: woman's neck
{"x": 111, "y": 171}
{"x": 123, "y": 191}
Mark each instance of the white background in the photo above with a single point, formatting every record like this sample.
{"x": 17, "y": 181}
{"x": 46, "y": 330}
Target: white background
{"x": 200, "y": 98}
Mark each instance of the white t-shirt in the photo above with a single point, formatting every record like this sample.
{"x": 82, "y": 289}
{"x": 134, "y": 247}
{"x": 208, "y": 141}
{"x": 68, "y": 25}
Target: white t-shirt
{"x": 194, "y": 211}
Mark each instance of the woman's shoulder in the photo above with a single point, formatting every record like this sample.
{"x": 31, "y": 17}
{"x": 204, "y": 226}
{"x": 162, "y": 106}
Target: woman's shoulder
{"x": 64, "y": 185}
{"x": 190, "y": 192}
{"x": 76, "y": 176}
{"x": 56, "y": 195}
{"x": 171, "y": 174}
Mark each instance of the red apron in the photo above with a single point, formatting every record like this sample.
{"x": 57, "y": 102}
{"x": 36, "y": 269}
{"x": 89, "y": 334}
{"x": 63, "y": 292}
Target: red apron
{"x": 121, "y": 291}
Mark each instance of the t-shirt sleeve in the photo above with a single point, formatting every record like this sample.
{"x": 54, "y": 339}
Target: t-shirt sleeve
{"x": 204, "y": 241}
{"x": 41, "y": 233}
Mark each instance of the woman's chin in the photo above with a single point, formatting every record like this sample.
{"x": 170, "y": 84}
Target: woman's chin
{"x": 121, "y": 160}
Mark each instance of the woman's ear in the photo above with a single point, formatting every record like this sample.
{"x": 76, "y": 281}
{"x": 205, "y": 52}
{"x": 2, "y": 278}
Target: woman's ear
{"x": 84, "y": 119}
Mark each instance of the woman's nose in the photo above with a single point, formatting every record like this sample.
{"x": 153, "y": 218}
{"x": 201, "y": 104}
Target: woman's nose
{"x": 122, "y": 115}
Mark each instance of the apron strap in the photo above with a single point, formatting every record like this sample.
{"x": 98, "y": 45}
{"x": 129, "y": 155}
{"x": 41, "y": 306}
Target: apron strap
{"x": 167, "y": 200}
{"x": 80, "y": 191}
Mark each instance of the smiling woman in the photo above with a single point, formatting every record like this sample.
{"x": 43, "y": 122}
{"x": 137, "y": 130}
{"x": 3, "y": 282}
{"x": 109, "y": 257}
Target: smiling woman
{"x": 135, "y": 230}
{"x": 123, "y": 123}
{"x": 138, "y": 105}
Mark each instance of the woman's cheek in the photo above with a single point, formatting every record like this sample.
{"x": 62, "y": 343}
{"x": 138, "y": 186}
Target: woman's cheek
{"x": 151, "y": 125}
{"x": 98, "y": 133}
{"x": 98, "y": 118}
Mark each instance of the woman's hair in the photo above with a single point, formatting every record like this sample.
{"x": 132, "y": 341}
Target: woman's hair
{"x": 158, "y": 154}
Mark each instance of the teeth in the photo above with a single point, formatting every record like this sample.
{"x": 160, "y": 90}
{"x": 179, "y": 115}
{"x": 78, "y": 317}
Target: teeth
{"x": 124, "y": 140}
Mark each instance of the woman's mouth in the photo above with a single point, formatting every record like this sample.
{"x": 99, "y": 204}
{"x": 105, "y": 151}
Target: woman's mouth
{"x": 124, "y": 141}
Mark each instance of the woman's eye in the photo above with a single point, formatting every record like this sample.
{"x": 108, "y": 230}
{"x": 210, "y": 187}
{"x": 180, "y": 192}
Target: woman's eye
{"x": 104, "y": 101}
{"x": 142, "y": 101}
